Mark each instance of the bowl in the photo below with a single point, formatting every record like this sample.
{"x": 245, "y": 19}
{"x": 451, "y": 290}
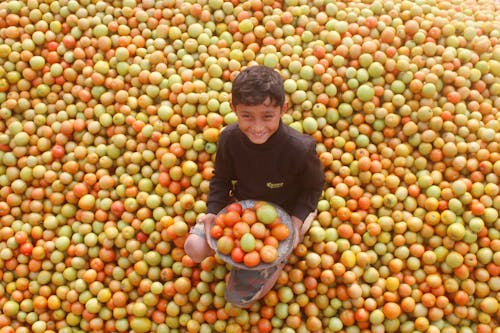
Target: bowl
{"x": 285, "y": 247}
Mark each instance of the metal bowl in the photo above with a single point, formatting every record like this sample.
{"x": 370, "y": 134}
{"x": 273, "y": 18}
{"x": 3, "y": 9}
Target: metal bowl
{"x": 285, "y": 246}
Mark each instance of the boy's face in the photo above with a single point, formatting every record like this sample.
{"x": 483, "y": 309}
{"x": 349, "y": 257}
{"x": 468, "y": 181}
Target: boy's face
{"x": 259, "y": 122}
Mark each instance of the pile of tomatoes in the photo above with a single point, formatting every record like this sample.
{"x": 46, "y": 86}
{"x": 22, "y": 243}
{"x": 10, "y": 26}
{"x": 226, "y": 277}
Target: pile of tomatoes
{"x": 244, "y": 238}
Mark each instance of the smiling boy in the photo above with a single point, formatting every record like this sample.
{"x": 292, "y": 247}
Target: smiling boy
{"x": 260, "y": 158}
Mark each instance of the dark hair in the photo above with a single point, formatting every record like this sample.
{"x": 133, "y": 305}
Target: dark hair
{"x": 255, "y": 84}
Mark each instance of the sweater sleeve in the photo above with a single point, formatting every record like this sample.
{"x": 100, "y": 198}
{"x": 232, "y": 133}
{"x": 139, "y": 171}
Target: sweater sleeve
{"x": 220, "y": 184}
{"x": 311, "y": 183}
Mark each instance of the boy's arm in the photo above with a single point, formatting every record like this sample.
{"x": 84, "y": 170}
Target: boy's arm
{"x": 301, "y": 228}
{"x": 220, "y": 184}
{"x": 207, "y": 221}
{"x": 312, "y": 181}
{"x": 299, "y": 235}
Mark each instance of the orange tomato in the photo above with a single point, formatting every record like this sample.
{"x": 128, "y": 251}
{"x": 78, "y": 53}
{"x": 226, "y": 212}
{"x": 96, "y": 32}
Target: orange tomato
{"x": 258, "y": 244}
{"x": 280, "y": 232}
{"x": 264, "y": 325}
{"x": 345, "y": 230}
{"x": 271, "y": 240}
{"x": 228, "y": 232}
{"x": 268, "y": 253}
{"x": 344, "y": 213}
{"x": 259, "y": 230}
{"x": 251, "y": 259}
{"x": 249, "y": 216}
{"x": 219, "y": 220}
{"x": 230, "y": 218}
{"x": 391, "y": 310}
{"x": 240, "y": 228}
{"x": 276, "y": 221}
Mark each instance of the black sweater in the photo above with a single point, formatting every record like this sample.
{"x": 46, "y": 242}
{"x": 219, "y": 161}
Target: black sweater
{"x": 284, "y": 170}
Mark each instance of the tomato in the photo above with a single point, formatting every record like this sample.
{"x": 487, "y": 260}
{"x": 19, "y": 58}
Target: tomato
{"x": 259, "y": 230}
{"x": 240, "y": 228}
{"x": 249, "y": 216}
{"x": 280, "y": 232}
{"x": 248, "y": 242}
{"x": 117, "y": 208}
{"x": 58, "y": 151}
{"x": 52, "y": 46}
{"x": 219, "y": 220}
{"x": 266, "y": 213}
{"x": 264, "y": 325}
{"x": 271, "y": 240}
{"x": 225, "y": 245}
{"x": 230, "y": 218}
{"x": 216, "y": 231}
{"x": 237, "y": 254}
{"x": 268, "y": 253}
{"x": 141, "y": 237}
{"x": 275, "y": 222}
{"x": 258, "y": 244}
{"x": 26, "y": 249}
{"x": 228, "y": 232}
{"x": 235, "y": 207}
{"x": 251, "y": 259}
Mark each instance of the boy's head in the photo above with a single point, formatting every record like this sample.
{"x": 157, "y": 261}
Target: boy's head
{"x": 255, "y": 84}
{"x": 258, "y": 99}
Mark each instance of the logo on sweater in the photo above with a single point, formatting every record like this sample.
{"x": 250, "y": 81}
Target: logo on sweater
{"x": 274, "y": 185}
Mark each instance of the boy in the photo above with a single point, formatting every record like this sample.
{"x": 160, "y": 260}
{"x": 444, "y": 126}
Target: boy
{"x": 269, "y": 161}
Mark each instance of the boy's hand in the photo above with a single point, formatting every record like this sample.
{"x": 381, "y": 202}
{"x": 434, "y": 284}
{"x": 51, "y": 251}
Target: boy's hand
{"x": 299, "y": 233}
{"x": 207, "y": 221}
{"x": 301, "y": 228}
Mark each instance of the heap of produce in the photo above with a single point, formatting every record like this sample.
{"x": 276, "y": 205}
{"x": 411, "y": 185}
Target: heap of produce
{"x": 110, "y": 113}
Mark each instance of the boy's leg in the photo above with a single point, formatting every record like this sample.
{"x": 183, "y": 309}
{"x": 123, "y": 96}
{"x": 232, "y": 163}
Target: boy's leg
{"x": 196, "y": 245}
{"x": 244, "y": 287}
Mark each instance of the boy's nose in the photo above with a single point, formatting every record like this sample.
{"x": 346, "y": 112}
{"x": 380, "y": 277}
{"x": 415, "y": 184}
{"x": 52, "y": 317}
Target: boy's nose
{"x": 258, "y": 126}
{"x": 258, "y": 129}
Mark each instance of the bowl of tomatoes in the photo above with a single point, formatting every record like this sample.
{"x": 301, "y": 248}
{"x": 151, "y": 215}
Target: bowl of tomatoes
{"x": 252, "y": 234}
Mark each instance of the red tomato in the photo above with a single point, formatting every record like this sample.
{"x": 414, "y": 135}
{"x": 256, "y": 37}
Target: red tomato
{"x": 26, "y": 249}
{"x": 117, "y": 208}
{"x": 216, "y": 231}
{"x": 235, "y": 207}
{"x": 52, "y": 46}
{"x": 58, "y": 151}
{"x": 237, "y": 254}
{"x": 141, "y": 237}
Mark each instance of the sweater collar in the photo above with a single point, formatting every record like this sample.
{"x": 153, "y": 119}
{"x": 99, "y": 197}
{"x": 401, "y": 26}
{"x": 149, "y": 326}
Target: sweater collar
{"x": 269, "y": 144}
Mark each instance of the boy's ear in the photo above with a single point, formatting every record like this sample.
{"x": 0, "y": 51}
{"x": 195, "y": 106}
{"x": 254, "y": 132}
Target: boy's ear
{"x": 284, "y": 108}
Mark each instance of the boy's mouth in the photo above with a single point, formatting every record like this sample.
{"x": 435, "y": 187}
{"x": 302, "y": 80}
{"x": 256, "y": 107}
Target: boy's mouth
{"x": 258, "y": 136}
